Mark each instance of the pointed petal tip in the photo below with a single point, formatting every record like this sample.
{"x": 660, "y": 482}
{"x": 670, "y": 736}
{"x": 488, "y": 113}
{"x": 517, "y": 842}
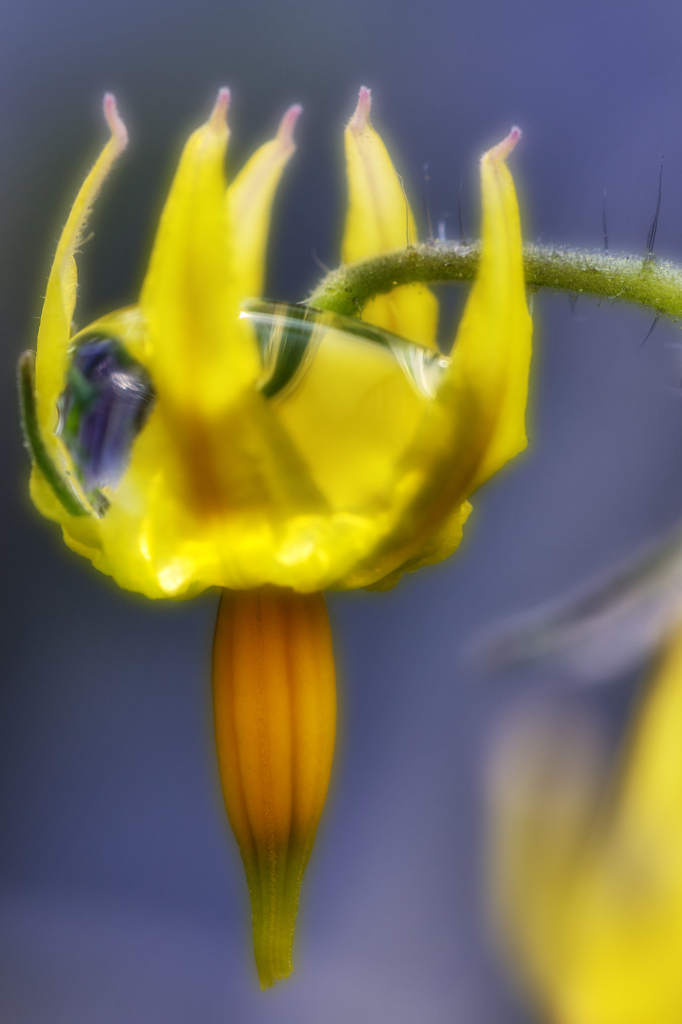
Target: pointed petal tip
{"x": 119, "y": 132}
{"x": 502, "y": 150}
{"x": 285, "y": 132}
{"x": 360, "y": 118}
{"x": 218, "y": 119}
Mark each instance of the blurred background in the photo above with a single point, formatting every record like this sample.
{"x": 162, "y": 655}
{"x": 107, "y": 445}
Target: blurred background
{"x": 122, "y": 899}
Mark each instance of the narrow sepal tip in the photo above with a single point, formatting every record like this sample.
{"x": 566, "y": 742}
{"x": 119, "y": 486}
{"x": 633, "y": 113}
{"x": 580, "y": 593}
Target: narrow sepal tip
{"x": 502, "y": 150}
{"x": 218, "y": 119}
{"x": 285, "y": 132}
{"x": 360, "y": 119}
{"x": 119, "y": 132}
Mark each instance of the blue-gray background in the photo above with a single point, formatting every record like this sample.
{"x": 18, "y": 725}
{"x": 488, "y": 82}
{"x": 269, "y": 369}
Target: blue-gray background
{"x": 122, "y": 897}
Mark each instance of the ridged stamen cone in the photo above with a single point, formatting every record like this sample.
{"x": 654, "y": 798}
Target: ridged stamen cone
{"x": 274, "y": 696}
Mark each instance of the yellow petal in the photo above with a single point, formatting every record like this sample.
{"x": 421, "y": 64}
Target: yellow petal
{"x": 200, "y": 355}
{"x": 476, "y": 422}
{"x": 378, "y": 220}
{"x": 493, "y": 343}
{"x": 249, "y": 199}
{"x": 60, "y": 297}
{"x": 275, "y": 718}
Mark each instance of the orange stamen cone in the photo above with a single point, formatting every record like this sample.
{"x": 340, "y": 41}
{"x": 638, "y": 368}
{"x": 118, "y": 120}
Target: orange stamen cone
{"x": 275, "y": 718}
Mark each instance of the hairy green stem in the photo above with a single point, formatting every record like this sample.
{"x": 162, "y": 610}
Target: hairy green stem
{"x": 580, "y": 271}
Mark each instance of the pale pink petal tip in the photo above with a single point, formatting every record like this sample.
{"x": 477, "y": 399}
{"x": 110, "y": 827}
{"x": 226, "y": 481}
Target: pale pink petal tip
{"x": 218, "y": 118}
{"x": 502, "y": 150}
{"x": 285, "y": 132}
{"x": 360, "y": 118}
{"x": 119, "y": 132}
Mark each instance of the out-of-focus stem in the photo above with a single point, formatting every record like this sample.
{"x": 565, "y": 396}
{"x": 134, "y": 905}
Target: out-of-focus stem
{"x": 580, "y": 271}
{"x": 275, "y": 718}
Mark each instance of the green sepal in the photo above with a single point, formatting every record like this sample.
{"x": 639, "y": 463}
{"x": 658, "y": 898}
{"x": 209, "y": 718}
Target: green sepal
{"x": 34, "y": 442}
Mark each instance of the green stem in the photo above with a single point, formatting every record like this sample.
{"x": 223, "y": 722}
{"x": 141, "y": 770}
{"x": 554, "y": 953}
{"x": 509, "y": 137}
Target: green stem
{"x": 580, "y": 271}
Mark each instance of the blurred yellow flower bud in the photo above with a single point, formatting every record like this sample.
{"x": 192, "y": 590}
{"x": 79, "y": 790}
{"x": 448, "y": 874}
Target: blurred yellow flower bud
{"x": 587, "y": 866}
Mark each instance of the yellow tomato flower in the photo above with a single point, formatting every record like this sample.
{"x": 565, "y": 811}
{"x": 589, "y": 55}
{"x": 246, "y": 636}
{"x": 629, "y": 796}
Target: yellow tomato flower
{"x": 588, "y": 869}
{"x": 202, "y": 438}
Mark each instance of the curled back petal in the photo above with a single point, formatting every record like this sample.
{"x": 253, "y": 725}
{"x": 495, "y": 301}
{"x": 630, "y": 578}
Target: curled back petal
{"x": 249, "y": 200}
{"x": 379, "y": 219}
{"x": 493, "y": 343}
{"x": 476, "y": 421}
{"x": 60, "y": 297}
{"x": 199, "y": 355}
